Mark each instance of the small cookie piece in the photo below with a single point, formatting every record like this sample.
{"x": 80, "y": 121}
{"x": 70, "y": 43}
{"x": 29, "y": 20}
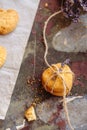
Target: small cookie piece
{"x": 3, "y": 55}
{"x": 30, "y": 114}
{"x": 8, "y": 20}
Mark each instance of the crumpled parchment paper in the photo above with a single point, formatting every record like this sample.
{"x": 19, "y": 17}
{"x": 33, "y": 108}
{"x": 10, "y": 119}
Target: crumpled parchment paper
{"x": 15, "y": 44}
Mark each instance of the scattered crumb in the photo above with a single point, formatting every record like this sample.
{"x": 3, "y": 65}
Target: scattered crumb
{"x": 30, "y": 113}
{"x": 46, "y": 4}
{"x": 34, "y": 104}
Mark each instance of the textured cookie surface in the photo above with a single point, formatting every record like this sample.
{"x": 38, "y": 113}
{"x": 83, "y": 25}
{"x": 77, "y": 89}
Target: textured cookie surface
{"x": 8, "y": 20}
{"x": 54, "y": 83}
{"x": 2, "y": 56}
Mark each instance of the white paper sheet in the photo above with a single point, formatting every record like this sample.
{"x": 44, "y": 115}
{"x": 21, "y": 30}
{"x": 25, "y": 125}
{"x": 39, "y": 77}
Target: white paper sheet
{"x": 15, "y": 44}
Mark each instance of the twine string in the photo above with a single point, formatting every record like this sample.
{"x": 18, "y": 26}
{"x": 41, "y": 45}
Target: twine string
{"x": 44, "y": 37}
{"x": 57, "y": 72}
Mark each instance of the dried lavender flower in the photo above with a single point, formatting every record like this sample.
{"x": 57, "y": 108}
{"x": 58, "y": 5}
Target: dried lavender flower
{"x": 73, "y": 8}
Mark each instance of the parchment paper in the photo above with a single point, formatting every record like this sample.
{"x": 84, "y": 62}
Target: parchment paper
{"x": 15, "y": 44}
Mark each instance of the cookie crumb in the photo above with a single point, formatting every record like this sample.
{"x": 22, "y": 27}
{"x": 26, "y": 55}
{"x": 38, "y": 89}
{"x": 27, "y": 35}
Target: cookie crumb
{"x": 46, "y": 5}
{"x": 30, "y": 114}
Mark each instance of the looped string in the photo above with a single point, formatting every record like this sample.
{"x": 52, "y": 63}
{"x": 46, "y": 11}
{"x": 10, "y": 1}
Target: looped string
{"x": 57, "y": 72}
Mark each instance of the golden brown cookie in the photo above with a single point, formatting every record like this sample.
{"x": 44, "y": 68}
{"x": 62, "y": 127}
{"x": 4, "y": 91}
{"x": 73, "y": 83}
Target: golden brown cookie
{"x": 54, "y": 81}
{"x": 3, "y": 55}
{"x": 8, "y": 20}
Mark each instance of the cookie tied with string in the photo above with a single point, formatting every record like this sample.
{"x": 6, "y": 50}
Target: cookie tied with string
{"x": 3, "y": 55}
{"x": 56, "y": 78}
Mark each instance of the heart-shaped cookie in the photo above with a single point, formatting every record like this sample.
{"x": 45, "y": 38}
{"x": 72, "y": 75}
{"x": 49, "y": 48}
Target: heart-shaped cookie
{"x": 8, "y": 20}
{"x": 3, "y": 55}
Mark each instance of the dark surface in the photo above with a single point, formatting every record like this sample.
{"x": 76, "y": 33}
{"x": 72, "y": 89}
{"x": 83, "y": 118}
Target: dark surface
{"x": 28, "y": 88}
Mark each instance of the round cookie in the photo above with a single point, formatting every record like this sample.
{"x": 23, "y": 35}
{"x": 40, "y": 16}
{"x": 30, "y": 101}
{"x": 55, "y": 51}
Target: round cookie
{"x": 8, "y": 20}
{"x": 53, "y": 81}
{"x": 3, "y": 55}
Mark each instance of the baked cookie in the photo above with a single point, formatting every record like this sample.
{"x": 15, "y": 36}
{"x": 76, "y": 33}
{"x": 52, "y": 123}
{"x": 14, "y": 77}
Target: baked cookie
{"x": 8, "y": 20}
{"x": 3, "y": 55}
{"x": 56, "y": 78}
